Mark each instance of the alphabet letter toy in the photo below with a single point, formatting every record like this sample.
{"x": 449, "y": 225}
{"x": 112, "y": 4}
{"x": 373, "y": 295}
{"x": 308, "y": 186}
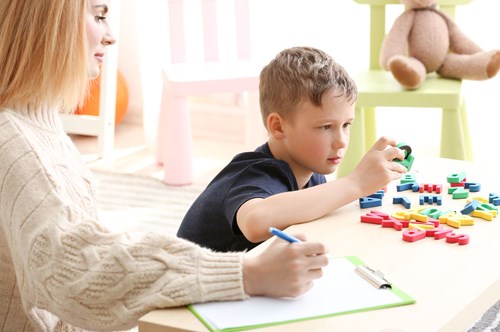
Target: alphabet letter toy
{"x": 416, "y": 230}
{"x": 494, "y": 199}
{"x": 485, "y": 211}
{"x": 460, "y": 238}
{"x": 368, "y": 202}
{"x": 406, "y": 178}
{"x": 372, "y": 200}
{"x": 437, "y": 188}
{"x": 412, "y": 235}
{"x": 456, "y": 177}
{"x": 472, "y": 186}
{"x": 458, "y": 192}
{"x": 469, "y": 207}
{"x": 407, "y": 186}
{"x": 402, "y": 200}
{"x": 431, "y": 199}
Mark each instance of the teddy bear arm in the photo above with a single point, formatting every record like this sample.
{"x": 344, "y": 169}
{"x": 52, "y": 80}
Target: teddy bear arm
{"x": 459, "y": 42}
{"x": 396, "y": 40}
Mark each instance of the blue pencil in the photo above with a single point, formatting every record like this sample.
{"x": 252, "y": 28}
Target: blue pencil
{"x": 288, "y": 237}
{"x": 283, "y": 235}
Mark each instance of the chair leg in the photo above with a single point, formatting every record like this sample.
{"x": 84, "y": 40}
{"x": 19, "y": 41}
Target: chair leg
{"x": 469, "y": 153}
{"x": 370, "y": 123}
{"x": 357, "y": 145}
{"x": 175, "y": 141}
{"x": 453, "y": 136}
{"x": 106, "y": 139}
{"x": 161, "y": 131}
{"x": 107, "y": 108}
{"x": 255, "y": 131}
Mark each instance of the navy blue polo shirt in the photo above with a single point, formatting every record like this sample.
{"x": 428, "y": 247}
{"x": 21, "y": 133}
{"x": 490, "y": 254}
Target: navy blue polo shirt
{"x": 211, "y": 220}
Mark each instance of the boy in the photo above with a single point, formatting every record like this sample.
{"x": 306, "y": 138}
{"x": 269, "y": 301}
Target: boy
{"x": 307, "y": 103}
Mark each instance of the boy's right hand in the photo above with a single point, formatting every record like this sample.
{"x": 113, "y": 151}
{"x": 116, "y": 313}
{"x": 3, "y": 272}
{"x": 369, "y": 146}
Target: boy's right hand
{"x": 377, "y": 167}
{"x": 284, "y": 269}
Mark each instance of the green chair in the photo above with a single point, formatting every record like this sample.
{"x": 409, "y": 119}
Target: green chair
{"x": 378, "y": 88}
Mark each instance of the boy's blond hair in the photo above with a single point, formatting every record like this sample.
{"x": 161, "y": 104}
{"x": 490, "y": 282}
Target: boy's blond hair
{"x": 298, "y": 74}
{"x": 43, "y": 53}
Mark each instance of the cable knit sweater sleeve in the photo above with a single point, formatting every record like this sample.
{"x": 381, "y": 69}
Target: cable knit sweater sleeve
{"x": 70, "y": 267}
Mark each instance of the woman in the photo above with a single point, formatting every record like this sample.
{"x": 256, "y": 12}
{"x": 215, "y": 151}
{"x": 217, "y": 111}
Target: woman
{"x": 61, "y": 270}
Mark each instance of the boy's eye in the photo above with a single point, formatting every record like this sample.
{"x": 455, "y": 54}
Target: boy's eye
{"x": 347, "y": 125}
{"x": 326, "y": 127}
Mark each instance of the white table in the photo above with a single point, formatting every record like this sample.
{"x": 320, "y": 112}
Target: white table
{"x": 452, "y": 284}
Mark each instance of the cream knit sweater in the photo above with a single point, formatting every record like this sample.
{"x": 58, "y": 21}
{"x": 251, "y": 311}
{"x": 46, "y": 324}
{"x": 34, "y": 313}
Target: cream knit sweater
{"x": 62, "y": 269}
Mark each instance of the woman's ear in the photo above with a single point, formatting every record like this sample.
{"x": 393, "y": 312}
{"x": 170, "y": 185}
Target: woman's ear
{"x": 275, "y": 126}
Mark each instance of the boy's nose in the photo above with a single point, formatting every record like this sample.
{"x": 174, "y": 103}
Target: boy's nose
{"x": 340, "y": 141}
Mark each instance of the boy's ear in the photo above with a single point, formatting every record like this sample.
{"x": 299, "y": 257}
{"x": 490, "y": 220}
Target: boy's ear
{"x": 275, "y": 125}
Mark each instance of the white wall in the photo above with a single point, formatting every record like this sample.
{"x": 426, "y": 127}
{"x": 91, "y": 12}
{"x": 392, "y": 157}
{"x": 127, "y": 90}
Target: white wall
{"x": 337, "y": 26}
{"x": 276, "y": 24}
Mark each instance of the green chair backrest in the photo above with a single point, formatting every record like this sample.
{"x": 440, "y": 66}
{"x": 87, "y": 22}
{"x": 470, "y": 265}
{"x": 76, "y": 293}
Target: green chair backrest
{"x": 378, "y": 24}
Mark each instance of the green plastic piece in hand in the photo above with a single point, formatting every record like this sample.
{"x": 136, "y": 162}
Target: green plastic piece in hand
{"x": 408, "y": 160}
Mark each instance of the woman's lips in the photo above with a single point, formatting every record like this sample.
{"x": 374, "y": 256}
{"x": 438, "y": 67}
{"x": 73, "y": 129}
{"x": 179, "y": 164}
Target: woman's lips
{"x": 99, "y": 56}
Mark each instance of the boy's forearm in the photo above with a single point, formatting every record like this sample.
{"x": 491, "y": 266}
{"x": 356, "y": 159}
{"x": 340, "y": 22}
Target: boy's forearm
{"x": 295, "y": 207}
{"x": 313, "y": 203}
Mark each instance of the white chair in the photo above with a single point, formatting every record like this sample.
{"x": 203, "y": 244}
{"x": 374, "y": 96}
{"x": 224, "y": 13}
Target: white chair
{"x": 222, "y": 64}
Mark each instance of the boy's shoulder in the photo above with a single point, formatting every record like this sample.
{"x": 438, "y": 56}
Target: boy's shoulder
{"x": 256, "y": 164}
{"x": 262, "y": 153}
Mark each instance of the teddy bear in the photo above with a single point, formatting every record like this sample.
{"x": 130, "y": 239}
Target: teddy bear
{"x": 424, "y": 39}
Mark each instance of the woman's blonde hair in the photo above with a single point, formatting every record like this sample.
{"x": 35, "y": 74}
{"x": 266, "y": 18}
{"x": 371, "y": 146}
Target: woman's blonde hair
{"x": 43, "y": 53}
{"x": 298, "y": 74}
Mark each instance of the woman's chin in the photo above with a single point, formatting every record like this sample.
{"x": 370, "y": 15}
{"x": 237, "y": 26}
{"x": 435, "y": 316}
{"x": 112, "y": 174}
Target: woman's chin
{"x": 94, "y": 72}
